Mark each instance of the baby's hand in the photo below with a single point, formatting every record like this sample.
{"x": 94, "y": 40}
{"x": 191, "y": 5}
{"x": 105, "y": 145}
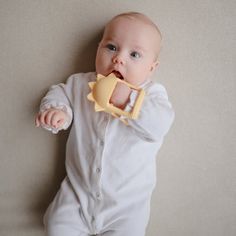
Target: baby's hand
{"x": 52, "y": 117}
{"x": 120, "y": 95}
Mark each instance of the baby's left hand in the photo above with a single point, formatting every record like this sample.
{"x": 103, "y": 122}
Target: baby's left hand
{"x": 120, "y": 95}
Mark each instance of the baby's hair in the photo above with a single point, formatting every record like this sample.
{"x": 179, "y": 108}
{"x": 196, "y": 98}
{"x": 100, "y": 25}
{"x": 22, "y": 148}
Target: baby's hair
{"x": 140, "y": 16}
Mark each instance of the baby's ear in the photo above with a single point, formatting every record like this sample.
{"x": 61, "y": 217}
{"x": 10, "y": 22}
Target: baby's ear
{"x": 154, "y": 65}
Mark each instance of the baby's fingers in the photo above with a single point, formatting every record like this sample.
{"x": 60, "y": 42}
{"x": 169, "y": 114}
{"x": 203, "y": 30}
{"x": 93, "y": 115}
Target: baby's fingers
{"x": 44, "y": 118}
{"x": 49, "y": 117}
{"x": 60, "y": 123}
{"x": 57, "y": 119}
{"x": 41, "y": 117}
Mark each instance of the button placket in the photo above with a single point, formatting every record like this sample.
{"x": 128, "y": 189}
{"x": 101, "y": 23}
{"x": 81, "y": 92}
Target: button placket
{"x": 102, "y": 143}
{"x": 93, "y": 218}
{"x": 97, "y": 191}
{"x": 98, "y": 195}
{"x": 98, "y": 170}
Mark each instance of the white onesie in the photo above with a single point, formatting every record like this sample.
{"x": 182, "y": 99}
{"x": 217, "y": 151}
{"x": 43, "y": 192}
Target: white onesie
{"x": 111, "y": 167}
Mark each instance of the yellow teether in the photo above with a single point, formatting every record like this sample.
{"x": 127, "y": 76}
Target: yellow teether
{"x": 101, "y": 92}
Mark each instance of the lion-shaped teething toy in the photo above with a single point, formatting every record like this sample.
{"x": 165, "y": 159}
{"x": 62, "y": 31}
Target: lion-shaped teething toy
{"x": 101, "y": 92}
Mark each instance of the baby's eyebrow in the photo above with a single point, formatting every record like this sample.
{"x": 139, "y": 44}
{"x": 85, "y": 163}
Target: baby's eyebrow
{"x": 109, "y": 38}
{"x": 139, "y": 48}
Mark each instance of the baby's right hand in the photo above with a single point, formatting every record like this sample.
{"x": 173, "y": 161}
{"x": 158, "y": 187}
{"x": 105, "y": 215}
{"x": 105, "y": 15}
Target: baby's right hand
{"x": 120, "y": 95}
{"x": 52, "y": 117}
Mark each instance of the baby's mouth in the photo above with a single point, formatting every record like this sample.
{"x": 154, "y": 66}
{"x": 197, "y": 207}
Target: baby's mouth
{"x": 118, "y": 74}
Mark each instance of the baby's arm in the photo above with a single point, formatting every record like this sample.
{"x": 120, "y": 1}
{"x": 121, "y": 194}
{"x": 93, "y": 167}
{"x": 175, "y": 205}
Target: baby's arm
{"x": 56, "y": 107}
{"x": 156, "y": 114}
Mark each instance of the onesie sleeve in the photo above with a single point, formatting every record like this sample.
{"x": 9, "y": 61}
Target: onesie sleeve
{"x": 156, "y": 115}
{"x": 59, "y": 97}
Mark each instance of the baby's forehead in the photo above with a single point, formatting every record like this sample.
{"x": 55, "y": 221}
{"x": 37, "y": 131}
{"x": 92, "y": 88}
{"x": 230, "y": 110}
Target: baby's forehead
{"x": 141, "y": 23}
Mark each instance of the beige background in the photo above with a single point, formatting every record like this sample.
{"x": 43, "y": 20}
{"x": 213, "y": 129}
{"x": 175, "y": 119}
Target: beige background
{"x": 43, "y": 42}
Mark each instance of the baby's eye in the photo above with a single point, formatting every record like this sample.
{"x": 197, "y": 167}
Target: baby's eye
{"x": 135, "y": 54}
{"x": 111, "y": 47}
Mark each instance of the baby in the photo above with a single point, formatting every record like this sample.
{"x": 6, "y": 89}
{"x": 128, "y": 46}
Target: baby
{"x": 110, "y": 166}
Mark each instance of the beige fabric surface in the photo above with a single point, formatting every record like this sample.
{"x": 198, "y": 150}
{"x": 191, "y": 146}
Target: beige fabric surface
{"x": 43, "y": 42}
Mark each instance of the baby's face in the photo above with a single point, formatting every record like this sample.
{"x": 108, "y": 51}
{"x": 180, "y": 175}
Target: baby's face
{"x": 129, "y": 49}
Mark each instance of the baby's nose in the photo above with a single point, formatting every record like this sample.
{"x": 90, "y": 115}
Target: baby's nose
{"x": 118, "y": 59}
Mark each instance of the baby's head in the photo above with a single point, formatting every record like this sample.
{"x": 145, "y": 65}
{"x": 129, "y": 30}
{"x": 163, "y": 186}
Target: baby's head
{"x": 129, "y": 48}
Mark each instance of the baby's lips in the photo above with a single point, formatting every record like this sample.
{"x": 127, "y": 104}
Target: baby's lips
{"x": 118, "y": 74}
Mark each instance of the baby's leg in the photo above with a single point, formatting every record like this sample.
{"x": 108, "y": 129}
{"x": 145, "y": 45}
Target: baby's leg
{"x": 63, "y": 217}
